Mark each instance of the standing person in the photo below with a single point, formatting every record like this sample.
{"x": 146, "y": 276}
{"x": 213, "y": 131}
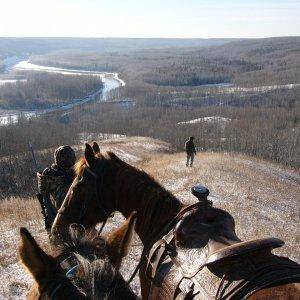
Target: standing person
{"x": 54, "y": 181}
{"x": 190, "y": 151}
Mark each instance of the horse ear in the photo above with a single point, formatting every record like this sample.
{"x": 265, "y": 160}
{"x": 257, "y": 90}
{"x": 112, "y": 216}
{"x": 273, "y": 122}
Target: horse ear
{"x": 96, "y": 147}
{"x": 89, "y": 155}
{"x": 118, "y": 242}
{"x": 33, "y": 257}
{"x": 114, "y": 157}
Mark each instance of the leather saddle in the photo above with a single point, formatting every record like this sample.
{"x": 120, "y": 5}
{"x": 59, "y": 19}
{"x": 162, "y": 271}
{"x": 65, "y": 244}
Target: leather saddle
{"x": 202, "y": 223}
{"x": 215, "y": 252}
{"x": 220, "y": 252}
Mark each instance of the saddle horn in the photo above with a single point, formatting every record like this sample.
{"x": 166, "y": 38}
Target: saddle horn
{"x": 201, "y": 193}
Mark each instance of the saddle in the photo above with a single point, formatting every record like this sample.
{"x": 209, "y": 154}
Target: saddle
{"x": 188, "y": 262}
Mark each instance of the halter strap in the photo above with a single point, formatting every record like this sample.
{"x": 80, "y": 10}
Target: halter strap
{"x": 52, "y": 296}
{"x": 60, "y": 285}
{"x": 83, "y": 209}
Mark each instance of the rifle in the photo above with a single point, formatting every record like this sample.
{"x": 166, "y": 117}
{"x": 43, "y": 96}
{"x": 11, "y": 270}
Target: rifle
{"x": 39, "y": 195}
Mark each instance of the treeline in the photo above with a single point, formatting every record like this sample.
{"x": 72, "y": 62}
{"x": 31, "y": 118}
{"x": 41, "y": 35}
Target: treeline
{"x": 262, "y": 123}
{"x": 44, "y": 90}
{"x": 268, "y": 132}
{"x": 245, "y": 63}
{"x": 186, "y": 75}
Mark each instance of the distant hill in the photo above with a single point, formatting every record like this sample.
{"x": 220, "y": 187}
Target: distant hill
{"x": 256, "y": 48}
{"x": 28, "y": 46}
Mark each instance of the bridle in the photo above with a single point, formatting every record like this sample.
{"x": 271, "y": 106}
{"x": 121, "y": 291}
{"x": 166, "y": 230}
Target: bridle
{"x": 98, "y": 177}
{"x": 62, "y": 284}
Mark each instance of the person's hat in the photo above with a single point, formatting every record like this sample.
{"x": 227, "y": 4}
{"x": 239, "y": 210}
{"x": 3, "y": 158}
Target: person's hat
{"x": 64, "y": 157}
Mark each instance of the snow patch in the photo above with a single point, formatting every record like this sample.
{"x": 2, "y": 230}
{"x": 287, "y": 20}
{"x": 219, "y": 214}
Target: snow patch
{"x": 5, "y": 81}
{"x": 263, "y": 89}
{"x": 213, "y": 119}
{"x": 85, "y": 137}
{"x": 17, "y": 282}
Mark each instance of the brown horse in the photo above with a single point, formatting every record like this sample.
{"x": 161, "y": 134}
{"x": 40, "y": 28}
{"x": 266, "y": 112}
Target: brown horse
{"x": 182, "y": 245}
{"x": 95, "y": 261}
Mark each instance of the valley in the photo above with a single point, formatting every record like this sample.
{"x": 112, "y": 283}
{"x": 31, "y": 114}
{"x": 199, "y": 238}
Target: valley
{"x": 110, "y": 82}
{"x": 181, "y": 117}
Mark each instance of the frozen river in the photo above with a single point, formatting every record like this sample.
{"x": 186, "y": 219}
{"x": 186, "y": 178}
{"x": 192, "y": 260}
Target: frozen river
{"x": 111, "y": 81}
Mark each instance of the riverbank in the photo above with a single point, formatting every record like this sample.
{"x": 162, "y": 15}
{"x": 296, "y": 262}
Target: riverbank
{"x": 110, "y": 81}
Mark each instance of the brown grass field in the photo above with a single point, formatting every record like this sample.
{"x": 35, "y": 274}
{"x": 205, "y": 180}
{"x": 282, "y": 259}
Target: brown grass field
{"x": 263, "y": 198}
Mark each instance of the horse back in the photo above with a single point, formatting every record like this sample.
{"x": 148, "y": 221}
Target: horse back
{"x": 289, "y": 291}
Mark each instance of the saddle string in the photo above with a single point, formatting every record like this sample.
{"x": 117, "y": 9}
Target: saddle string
{"x": 166, "y": 227}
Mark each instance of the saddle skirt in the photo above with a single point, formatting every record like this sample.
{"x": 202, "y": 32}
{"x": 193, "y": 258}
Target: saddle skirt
{"x": 214, "y": 264}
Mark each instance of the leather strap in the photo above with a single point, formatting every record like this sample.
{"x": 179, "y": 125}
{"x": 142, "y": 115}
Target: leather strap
{"x": 158, "y": 249}
{"x": 157, "y": 253}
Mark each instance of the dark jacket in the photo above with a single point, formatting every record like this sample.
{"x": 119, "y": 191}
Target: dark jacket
{"x": 55, "y": 182}
{"x": 190, "y": 147}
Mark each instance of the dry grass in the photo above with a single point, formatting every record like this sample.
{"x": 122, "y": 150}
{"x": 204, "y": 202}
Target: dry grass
{"x": 263, "y": 198}
{"x": 15, "y": 213}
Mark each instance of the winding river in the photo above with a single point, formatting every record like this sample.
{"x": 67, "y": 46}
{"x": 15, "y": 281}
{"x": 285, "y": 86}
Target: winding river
{"x": 111, "y": 81}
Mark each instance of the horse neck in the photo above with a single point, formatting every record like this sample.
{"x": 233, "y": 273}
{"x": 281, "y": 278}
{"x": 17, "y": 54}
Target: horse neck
{"x": 155, "y": 207}
{"x": 151, "y": 226}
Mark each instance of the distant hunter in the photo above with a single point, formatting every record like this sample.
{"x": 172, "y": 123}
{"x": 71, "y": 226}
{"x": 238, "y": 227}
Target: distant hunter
{"x": 190, "y": 151}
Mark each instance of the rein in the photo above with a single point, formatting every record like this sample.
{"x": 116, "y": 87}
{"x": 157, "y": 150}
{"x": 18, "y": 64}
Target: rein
{"x": 98, "y": 189}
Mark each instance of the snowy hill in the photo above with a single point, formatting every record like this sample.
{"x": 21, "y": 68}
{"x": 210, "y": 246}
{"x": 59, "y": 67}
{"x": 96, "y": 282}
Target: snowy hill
{"x": 262, "y": 197}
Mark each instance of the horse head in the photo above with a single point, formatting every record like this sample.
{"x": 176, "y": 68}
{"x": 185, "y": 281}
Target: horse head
{"x": 97, "y": 261}
{"x": 92, "y": 195}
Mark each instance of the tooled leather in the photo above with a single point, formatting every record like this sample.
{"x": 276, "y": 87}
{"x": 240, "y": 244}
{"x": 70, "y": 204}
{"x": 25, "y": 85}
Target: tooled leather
{"x": 167, "y": 276}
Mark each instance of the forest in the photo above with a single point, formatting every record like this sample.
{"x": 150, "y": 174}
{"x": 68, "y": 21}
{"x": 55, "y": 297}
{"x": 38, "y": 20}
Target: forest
{"x": 44, "y": 90}
{"x": 246, "y": 63}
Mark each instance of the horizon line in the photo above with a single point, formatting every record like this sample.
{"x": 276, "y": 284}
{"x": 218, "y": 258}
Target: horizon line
{"x": 141, "y": 37}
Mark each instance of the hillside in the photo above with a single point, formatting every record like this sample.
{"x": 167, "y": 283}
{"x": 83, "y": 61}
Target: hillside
{"x": 27, "y": 46}
{"x": 253, "y": 83}
{"x": 262, "y": 197}
{"x": 248, "y": 62}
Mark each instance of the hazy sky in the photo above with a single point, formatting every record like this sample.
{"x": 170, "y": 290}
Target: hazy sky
{"x": 151, "y": 18}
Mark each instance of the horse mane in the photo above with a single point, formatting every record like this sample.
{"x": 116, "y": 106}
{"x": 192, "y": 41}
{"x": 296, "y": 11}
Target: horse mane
{"x": 78, "y": 242}
{"x": 143, "y": 185}
{"x": 98, "y": 278}
{"x": 140, "y": 187}
{"x": 80, "y": 166}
